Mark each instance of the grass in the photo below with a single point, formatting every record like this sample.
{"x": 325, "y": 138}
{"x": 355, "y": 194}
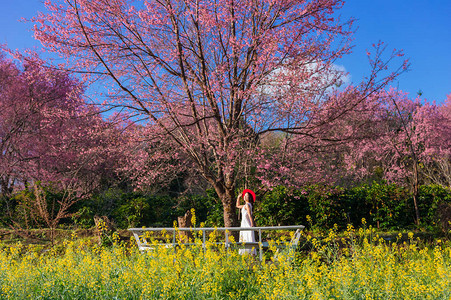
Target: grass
{"x": 356, "y": 264}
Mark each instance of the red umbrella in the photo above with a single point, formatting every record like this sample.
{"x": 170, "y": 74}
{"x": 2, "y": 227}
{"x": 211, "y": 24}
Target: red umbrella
{"x": 251, "y": 192}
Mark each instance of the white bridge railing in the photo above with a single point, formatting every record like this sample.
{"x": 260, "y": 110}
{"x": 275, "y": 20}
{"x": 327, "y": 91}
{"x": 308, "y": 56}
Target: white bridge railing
{"x": 143, "y": 245}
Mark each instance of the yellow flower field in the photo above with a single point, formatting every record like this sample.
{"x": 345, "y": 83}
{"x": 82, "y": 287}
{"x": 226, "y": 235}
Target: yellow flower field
{"x": 366, "y": 267}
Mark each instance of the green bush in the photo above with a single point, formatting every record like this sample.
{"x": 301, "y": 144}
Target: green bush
{"x": 429, "y": 199}
{"x": 385, "y": 206}
{"x": 214, "y": 211}
{"x": 281, "y": 206}
{"x": 136, "y": 209}
{"x": 327, "y": 206}
{"x": 382, "y": 205}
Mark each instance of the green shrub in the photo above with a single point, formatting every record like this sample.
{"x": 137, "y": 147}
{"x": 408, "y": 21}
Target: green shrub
{"x": 327, "y": 206}
{"x": 214, "y": 211}
{"x": 281, "y": 206}
{"x": 382, "y": 205}
{"x": 429, "y": 199}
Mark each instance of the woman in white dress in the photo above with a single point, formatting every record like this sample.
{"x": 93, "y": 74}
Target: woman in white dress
{"x": 247, "y": 220}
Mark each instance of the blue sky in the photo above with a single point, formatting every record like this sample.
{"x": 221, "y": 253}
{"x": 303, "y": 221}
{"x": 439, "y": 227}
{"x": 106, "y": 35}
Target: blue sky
{"x": 422, "y": 28}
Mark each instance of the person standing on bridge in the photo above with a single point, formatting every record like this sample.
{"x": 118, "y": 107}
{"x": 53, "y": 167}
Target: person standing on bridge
{"x": 247, "y": 220}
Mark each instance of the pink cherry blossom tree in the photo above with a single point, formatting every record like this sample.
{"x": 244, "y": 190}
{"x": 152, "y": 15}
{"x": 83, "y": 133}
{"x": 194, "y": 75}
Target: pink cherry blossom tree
{"x": 208, "y": 80}
{"x": 48, "y": 132}
{"x": 49, "y": 136}
{"x": 406, "y": 140}
{"x": 433, "y": 128}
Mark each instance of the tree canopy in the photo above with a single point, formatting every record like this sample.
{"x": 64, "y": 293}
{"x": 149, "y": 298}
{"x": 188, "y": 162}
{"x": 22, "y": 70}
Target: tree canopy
{"x": 212, "y": 78}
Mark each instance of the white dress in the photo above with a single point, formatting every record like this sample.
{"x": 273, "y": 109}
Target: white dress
{"x": 246, "y": 235}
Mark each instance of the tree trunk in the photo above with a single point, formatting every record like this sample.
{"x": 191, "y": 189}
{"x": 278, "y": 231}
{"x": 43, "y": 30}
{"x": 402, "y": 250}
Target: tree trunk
{"x": 185, "y": 222}
{"x": 229, "y": 207}
{"x": 5, "y": 187}
{"x": 415, "y": 192}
